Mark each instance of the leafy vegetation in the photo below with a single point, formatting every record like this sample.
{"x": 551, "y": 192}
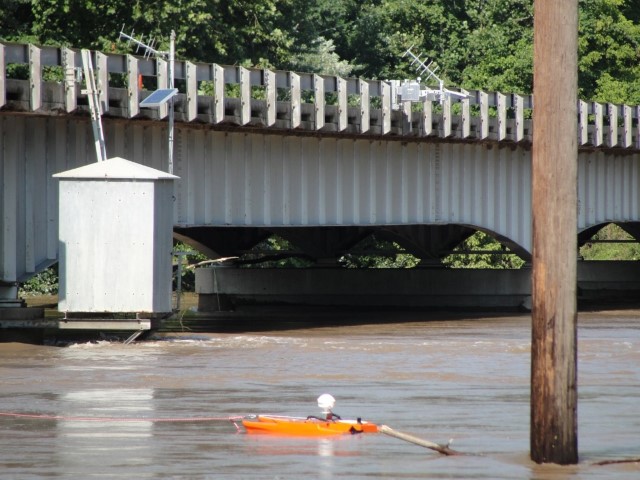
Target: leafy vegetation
{"x": 611, "y": 243}
{"x": 274, "y": 252}
{"x": 478, "y": 44}
{"x": 44, "y": 283}
{"x": 377, "y": 253}
{"x": 188, "y": 256}
{"x": 489, "y": 253}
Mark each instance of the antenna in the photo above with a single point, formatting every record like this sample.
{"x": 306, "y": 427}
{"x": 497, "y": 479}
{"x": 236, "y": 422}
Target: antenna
{"x": 423, "y": 67}
{"x": 149, "y": 50}
{"x": 94, "y": 105}
{"x": 410, "y": 90}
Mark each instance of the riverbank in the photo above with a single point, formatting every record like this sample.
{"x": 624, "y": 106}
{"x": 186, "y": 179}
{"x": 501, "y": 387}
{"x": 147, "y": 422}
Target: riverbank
{"x": 254, "y": 318}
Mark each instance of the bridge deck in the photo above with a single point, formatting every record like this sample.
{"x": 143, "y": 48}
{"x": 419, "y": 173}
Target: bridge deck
{"x": 234, "y": 96}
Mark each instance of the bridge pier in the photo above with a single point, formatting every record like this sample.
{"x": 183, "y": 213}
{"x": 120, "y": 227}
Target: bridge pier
{"x": 9, "y": 296}
{"x": 228, "y": 288}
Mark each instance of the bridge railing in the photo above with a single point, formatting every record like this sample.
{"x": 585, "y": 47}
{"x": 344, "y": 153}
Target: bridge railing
{"x": 42, "y": 79}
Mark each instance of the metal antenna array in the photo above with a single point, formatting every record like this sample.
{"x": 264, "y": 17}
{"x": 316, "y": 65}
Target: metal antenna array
{"x": 149, "y": 50}
{"x": 411, "y": 90}
{"x": 423, "y": 67}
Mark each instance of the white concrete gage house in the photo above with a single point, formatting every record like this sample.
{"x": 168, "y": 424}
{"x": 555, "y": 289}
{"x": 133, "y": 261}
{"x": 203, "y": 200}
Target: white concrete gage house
{"x": 115, "y": 238}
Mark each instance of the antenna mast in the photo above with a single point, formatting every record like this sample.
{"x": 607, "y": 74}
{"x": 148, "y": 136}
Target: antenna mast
{"x": 149, "y": 49}
{"x": 94, "y": 105}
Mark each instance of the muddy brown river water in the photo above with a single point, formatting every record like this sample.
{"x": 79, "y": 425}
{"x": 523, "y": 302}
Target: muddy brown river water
{"x": 160, "y": 408}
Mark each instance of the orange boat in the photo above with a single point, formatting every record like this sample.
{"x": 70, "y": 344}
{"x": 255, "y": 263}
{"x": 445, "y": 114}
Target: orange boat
{"x": 305, "y": 427}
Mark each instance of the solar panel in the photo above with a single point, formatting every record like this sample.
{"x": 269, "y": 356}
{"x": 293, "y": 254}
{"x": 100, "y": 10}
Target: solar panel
{"x": 158, "y": 97}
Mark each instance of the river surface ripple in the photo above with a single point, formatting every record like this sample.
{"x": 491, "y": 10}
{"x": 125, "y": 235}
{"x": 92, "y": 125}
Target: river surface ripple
{"x": 462, "y": 379}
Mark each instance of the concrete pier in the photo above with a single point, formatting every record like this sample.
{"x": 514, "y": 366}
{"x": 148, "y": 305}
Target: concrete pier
{"x": 226, "y": 288}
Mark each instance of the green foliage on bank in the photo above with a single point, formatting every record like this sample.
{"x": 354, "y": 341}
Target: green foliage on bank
{"x": 44, "y": 283}
{"x": 274, "y": 252}
{"x": 188, "y": 257}
{"x": 478, "y": 44}
{"x": 478, "y": 251}
{"x": 378, "y": 253}
{"x": 486, "y": 252}
{"x": 611, "y": 243}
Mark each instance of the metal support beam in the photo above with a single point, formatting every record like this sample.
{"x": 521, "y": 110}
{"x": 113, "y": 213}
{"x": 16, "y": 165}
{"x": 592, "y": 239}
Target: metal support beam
{"x": 3, "y": 76}
{"x": 35, "y": 78}
{"x": 484, "y": 115}
{"x": 102, "y": 80}
{"x": 583, "y": 120}
{"x": 598, "y": 129}
{"x": 133, "y": 104}
{"x": 466, "y": 117}
{"x": 342, "y": 104}
{"x": 163, "y": 82}
{"x": 385, "y": 90}
{"x": 628, "y": 126}
{"x": 365, "y": 118}
{"x": 192, "y": 91}
{"x": 318, "y": 101}
{"x": 294, "y": 86}
{"x": 427, "y": 117}
{"x": 104, "y": 324}
{"x": 518, "y": 106}
{"x": 501, "y": 100}
{"x": 245, "y": 95}
{"x": 272, "y": 99}
{"x": 69, "y": 69}
{"x": 613, "y": 125}
{"x": 445, "y": 131}
{"x": 217, "y": 72}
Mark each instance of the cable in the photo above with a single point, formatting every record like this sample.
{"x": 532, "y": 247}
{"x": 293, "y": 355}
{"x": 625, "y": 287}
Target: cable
{"x": 232, "y": 419}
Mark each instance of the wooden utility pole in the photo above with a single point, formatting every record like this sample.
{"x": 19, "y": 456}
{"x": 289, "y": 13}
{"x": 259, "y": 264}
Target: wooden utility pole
{"x": 554, "y": 197}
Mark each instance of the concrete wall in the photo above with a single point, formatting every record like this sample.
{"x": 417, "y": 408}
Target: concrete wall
{"x": 223, "y": 288}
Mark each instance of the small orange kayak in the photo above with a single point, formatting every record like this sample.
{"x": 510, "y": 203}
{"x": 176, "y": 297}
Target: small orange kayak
{"x": 305, "y": 427}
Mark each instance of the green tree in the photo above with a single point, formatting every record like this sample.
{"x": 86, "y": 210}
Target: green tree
{"x": 485, "y": 245}
{"x": 43, "y": 283}
{"x": 611, "y": 243}
{"x": 385, "y": 29}
{"x": 477, "y": 44}
{"x": 274, "y": 252}
{"x": 321, "y": 57}
{"x": 373, "y": 252}
{"x": 223, "y": 31}
{"x": 16, "y": 18}
{"x": 609, "y": 51}
{"x": 501, "y": 33}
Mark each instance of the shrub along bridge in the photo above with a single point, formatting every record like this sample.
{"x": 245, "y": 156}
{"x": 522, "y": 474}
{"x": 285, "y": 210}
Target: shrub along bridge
{"x": 322, "y": 161}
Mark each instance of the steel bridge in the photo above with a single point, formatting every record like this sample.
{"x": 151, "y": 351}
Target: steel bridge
{"x": 322, "y": 161}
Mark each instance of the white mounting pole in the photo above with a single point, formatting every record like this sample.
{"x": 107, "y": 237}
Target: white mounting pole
{"x": 150, "y": 50}
{"x": 171, "y": 83}
{"x": 94, "y": 105}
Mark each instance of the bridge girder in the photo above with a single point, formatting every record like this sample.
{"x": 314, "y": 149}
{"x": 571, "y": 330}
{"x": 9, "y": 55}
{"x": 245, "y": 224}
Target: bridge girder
{"x": 288, "y": 181}
{"x": 426, "y": 242}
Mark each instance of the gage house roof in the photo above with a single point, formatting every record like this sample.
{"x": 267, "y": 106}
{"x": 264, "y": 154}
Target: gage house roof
{"x": 116, "y": 168}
